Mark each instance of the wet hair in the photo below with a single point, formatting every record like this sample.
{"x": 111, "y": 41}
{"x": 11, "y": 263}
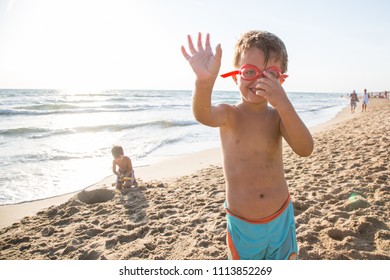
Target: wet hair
{"x": 271, "y": 45}
{"x": 117, "y": 151}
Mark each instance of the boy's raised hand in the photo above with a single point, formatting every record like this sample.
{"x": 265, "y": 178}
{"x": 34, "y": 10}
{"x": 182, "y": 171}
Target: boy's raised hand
{"x": 202, "y": 60}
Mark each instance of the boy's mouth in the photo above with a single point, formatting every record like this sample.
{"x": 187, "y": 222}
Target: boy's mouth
{"x": 254, "y": 90}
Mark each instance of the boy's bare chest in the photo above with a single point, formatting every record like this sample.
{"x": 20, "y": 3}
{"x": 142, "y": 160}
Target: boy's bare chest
{"x": 254, "y": 129}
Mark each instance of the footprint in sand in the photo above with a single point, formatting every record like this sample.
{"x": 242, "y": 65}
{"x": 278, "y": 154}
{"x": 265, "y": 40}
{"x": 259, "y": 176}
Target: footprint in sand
{"x": 382, "y": 240}
{"x": 339, "y": 234}
{"x": 90, "y": 255}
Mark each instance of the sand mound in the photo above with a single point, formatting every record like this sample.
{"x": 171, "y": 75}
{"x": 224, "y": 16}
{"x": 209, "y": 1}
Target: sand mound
{"x": 96, "y": 196}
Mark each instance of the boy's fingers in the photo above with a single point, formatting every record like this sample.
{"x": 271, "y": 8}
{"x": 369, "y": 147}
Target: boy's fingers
{"x": 261, "y": 88}
{"x": 218, "y": 52}
{"x": 190, "y": 44}
{"x": 193, "y": 51}
{"x": 200, "y": 47}
{"x": 270, "y": 76}
{"x": 208, "y": 46}
{"x": 260, "y": 92}
{"x": 184, "y": 52}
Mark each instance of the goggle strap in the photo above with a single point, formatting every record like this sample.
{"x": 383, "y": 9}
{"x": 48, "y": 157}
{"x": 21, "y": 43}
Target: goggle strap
{"x": 236, "y": 72}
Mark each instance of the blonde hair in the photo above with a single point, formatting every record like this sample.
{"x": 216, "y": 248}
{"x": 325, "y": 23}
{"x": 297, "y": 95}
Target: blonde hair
{"x": 271, "y": 45}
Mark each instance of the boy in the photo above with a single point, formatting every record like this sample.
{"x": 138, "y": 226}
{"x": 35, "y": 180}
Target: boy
{"x": 260, "y": 215}
{"x": 125, "y": 173}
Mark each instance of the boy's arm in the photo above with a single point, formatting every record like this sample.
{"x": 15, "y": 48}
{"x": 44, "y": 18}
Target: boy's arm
{"x": 129, "y": 164}
{"x": 203, "y": 111}
{"x": 206, "y": 67}
{"x": 114, "y": 168}
{"x": 295, "y": 131}
{"x": 292, "y": 127}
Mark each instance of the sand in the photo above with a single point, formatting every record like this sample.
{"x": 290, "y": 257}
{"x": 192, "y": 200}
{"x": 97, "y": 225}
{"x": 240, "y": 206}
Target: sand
{"x": 341, "y": 196}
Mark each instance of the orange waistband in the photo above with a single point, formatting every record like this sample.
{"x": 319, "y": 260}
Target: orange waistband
{"x": 266, "y": 219}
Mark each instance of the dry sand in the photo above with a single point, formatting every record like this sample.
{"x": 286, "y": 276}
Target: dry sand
{"x": 341, "y": 196}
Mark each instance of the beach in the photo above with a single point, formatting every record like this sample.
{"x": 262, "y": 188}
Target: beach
{"x": 341, "y": 195}
{"x": 55, "y": 142}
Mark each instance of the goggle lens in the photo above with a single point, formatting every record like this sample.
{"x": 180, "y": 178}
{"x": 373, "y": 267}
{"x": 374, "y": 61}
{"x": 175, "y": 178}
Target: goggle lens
{"x": 274, "y": 73}
{"x": 250, "y": 73}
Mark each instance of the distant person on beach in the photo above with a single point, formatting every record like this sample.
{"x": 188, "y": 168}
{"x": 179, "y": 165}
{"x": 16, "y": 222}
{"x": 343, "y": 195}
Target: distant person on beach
{"x": 365, "y": 101}
{"x": 125, "y": 172}
{"x": 260, "y": 214}
{"x": 353, "y": 98}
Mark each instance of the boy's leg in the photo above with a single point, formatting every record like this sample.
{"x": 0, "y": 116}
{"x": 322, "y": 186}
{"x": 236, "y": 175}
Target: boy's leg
{"x": 132, "y": 181}
{"x": 232, "y": 251}
{"x": 283, "y": 241}
{"x": 293, "y": 257}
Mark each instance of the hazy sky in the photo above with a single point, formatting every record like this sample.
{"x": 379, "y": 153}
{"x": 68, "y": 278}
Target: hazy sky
{"x": 333, "y": 45}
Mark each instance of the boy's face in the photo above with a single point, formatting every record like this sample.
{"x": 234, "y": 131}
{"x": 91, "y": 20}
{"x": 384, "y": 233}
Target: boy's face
{"x": 247, "y": 89}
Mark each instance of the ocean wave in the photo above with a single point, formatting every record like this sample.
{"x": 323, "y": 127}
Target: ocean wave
{"x": 113, "y": 109}
{"x": 40, "y": 158}
{"x": 319, "y": 108}
{"x": 47, "y": 157}
{"x": 87, "y": 107}
{"x": 157, "y": 144}
{"x": 23, "y": 131}
{"x": 116, "y": 99}
{"x": 316, "y": 108}
{"x": 48, "y": 107}
{"x": 120, "y": 127}
{"x": 38, "y": 132}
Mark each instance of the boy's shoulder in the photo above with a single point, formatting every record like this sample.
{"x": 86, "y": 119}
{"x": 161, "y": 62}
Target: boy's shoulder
{"x": 225, "y": 106}
{"x": 126, "y": 158}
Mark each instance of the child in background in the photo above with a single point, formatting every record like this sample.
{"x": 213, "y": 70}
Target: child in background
{"x": 365, "y": 101}
{"x": 125, "y": 173}
{"x": 260, "y": 215}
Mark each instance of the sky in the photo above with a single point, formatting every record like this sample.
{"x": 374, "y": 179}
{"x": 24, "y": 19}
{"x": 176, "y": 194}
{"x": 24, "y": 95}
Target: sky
{"x": 333, "y": 45}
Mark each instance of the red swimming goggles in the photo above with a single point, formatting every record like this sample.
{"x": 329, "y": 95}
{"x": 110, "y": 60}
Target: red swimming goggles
{"x": 250, "y": 72}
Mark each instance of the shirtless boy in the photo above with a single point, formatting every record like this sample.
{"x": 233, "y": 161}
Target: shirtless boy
{"x": 125, "y": 168}
{"x": 260, "y": 214}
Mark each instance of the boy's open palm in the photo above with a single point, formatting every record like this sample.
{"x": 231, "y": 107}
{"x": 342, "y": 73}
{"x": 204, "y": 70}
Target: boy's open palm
{"x": 202, "y": 60}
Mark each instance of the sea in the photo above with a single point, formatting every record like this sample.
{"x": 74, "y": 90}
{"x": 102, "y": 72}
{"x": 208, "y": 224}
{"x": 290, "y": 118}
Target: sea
{"x": 54, "y": 142}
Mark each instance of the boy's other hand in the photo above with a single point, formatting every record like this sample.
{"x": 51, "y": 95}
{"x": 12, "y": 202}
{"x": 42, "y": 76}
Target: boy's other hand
{"x": 204, "y": 63}
{"x": 270, "y": 88}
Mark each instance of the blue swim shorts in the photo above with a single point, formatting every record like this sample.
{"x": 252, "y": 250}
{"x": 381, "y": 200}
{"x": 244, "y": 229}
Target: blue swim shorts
{"x": 271, "y": 238}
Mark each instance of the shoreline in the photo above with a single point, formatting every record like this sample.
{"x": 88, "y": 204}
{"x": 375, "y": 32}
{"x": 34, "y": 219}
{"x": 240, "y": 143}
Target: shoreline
{"x": 161, "y": 170}
{"x": 165, "y": 169}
